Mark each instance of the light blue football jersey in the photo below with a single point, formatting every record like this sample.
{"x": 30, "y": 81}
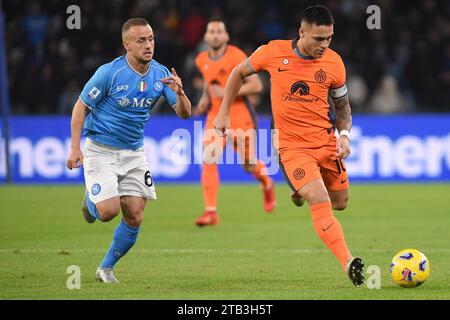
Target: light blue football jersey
{"x": 120, "y": 100}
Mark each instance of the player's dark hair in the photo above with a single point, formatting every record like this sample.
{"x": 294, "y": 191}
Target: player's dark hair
{"x": 216, "y": 19}
{"x": 133, "y": 22}
{"x": 318, "y": 15}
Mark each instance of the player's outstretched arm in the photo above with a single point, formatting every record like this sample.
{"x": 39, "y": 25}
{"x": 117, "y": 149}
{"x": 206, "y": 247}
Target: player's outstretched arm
{"x": 79, "y": 113}
{"x": 252, "y": 85}
{"x": 183, "y": 107}
{"x": 234, "y": 84}
{"x": 343, "y": 121}
{"x": 203, "y": 103}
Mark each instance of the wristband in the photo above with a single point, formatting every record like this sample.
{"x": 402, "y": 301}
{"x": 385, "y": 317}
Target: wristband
{"x": 345, "y": 133}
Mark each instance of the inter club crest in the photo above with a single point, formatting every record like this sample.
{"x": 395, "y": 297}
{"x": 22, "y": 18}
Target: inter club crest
{"x": 320, "y": 76}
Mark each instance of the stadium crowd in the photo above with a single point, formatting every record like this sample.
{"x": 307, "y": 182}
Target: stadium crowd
{"x": 402, "y": 67}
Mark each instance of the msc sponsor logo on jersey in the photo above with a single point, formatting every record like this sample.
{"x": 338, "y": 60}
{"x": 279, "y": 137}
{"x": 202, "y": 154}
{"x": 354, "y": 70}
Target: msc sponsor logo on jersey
{"x": 143, "y": 103}
{"x": 124, "y": 102}
{"x": 93, "y": 94}
{"x": 137, "y": 103}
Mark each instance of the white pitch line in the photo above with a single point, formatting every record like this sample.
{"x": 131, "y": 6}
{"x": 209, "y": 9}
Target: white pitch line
{"x": 192, "y": 250}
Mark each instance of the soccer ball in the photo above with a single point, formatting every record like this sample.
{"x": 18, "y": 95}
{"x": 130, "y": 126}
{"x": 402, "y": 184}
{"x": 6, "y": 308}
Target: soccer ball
{"x": 410, "y": 268}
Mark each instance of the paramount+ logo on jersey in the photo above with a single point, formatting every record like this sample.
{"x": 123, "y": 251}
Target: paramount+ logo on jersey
{"x": 298, "y": 93}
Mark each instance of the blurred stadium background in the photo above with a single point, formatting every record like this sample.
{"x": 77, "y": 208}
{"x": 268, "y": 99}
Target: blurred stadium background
{"x": 401, "y": 69}
{"x": 399, "y": 84}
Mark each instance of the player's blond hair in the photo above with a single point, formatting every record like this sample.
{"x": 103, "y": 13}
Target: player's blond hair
{"x": 131, "y": 23}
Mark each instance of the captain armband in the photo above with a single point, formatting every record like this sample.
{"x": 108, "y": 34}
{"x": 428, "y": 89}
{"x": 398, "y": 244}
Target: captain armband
{"x": 339, "y": 92}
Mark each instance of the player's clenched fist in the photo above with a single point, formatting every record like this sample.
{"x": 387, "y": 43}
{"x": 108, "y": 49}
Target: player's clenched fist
{"x": 343, "y": 147}
{"x": 75, "y": 159}
{"x": 222, "y": 124}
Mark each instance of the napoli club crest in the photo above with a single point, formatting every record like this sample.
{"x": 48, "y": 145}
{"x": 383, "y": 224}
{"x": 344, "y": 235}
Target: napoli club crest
{"x": 96, "y": 189}
{"x": 158, "y": 86}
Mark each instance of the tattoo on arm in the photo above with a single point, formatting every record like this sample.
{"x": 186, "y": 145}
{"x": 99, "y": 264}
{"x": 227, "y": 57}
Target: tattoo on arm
{"x": 343, "y": 113}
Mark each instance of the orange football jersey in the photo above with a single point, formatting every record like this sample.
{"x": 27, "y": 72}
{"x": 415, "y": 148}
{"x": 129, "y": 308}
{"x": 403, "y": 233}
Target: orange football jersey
{"x": 218, "y": 71}
{"x": 299, "y": 91}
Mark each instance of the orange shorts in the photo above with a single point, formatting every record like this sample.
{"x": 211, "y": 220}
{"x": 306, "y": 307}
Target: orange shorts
{"x": 242, "y": 133}
{"x": 241, "y": 117}
{"x": 301, "y": 166}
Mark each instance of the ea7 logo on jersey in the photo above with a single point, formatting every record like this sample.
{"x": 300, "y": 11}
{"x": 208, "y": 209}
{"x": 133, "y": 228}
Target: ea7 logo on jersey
{"x": 143, "y": 103}
{"x": 122, "y": 88}
{"x": 93, "y": 94}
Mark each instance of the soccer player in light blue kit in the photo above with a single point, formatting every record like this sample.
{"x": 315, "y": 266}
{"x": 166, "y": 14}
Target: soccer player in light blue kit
{"x": 112, "y": 111}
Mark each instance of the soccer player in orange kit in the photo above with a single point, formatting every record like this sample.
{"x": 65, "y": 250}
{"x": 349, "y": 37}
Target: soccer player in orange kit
{"x": 303, "y": 72}
{"x": 215, "y": 65}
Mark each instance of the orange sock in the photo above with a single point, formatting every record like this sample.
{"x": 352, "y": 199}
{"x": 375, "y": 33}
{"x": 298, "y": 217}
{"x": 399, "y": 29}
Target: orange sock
{"x": 210, "y": 185}
{"x": 260, "y": 174}
{"x": 330, "y": 231}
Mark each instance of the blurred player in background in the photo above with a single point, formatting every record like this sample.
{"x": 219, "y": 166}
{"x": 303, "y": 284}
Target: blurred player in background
{"x": 303, "y": 72}
{"x": 112, "y": 111}
{"x": 215, "y": 65}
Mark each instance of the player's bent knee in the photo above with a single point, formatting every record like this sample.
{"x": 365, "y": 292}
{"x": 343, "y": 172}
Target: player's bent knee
{"x": 339, "y": 201}
{"x": 134, "y": 219}
{"x": 108, "y": 210}
{"x": 316, "y": 196}
{"x": 297, "y": 199}
{"x": 340, "y": 205}
{"x": 108, "y": 215}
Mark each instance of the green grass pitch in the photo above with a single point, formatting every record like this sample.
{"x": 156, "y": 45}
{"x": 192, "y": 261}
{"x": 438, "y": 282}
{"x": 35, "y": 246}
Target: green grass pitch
{"x": 251, "y": 255}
